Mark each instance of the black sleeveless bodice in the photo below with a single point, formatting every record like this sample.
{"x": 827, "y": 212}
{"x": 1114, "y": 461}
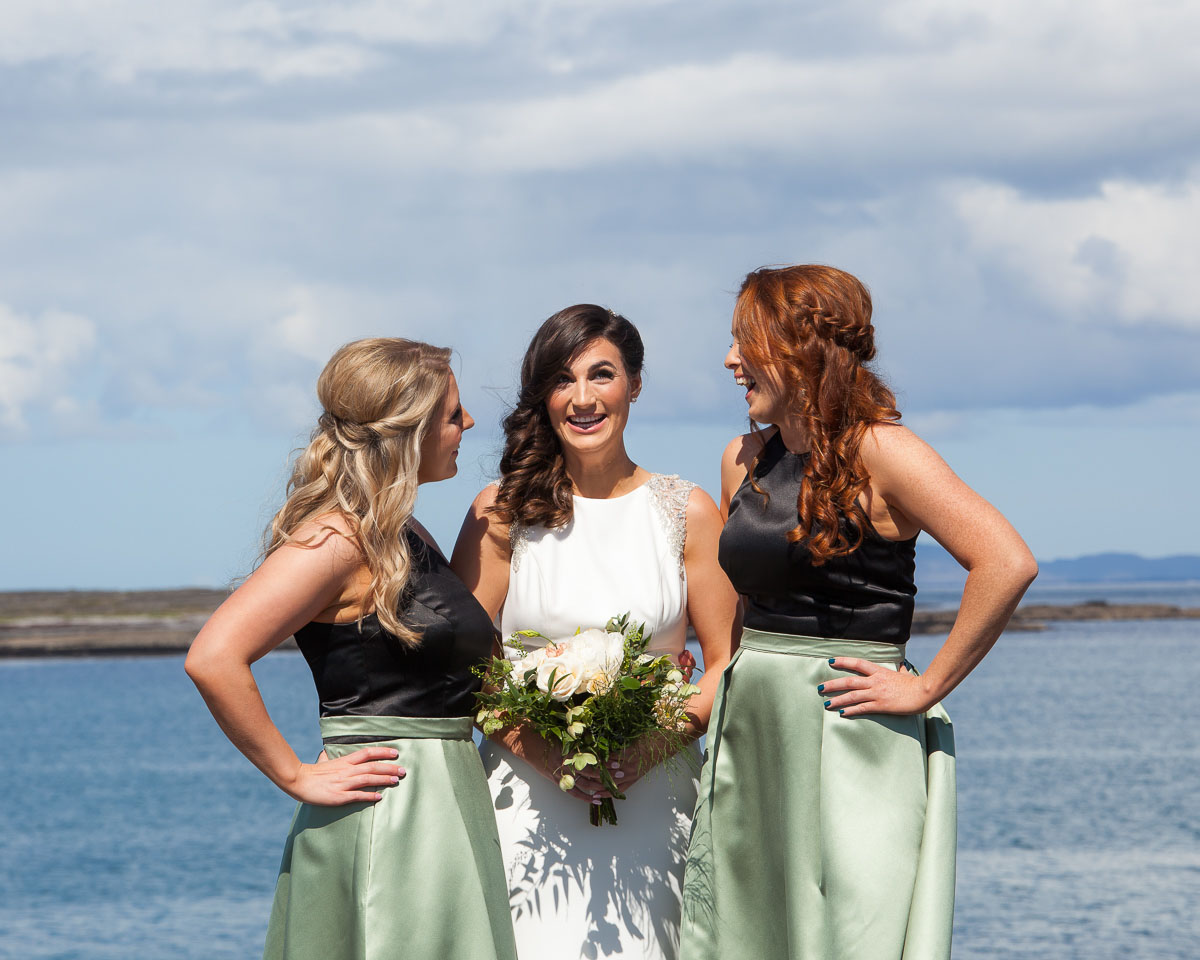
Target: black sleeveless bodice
{"x": 372, "y": 673}
{"x": 866, "y": 595}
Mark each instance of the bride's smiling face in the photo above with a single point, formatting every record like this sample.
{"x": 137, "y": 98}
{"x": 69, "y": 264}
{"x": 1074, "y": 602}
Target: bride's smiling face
{"x": 589, "y": 404}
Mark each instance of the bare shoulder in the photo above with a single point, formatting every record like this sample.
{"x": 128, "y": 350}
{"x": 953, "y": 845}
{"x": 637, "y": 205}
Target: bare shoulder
{"x": 701, "y": 508}
{"x": 330, "y": 536}
{"x": 736, "y": 463}
{"x": 485, "y": 499}
{"x": 888, "y": 448}
{"x": 481, "y": 530}
{"x": 742, "y": 450}
{"x": 481, "y": 512}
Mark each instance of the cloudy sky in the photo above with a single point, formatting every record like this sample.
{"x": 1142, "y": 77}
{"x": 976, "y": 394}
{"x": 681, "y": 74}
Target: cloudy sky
{"x": 200, "y": 200}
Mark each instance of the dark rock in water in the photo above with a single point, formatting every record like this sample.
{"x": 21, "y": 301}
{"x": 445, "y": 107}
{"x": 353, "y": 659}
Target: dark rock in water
{"x": 1035, "y": 616}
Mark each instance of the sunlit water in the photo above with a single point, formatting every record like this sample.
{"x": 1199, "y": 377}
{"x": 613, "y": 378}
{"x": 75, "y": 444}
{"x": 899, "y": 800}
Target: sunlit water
{"x": 1176, "y": 593}
{"x": 131, "y": 828}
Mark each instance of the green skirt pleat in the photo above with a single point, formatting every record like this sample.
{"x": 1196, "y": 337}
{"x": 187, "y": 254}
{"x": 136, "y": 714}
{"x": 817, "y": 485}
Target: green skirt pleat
{"x": 818, "y": 837}
{"x": 417, "y": 875}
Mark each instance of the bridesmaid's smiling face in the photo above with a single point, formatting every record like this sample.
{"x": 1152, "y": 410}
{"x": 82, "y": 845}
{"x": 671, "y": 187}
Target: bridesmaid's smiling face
{"x": 439, "y": 448}
{"x": 766, "y": 397}
{"x": 589, "y": 405}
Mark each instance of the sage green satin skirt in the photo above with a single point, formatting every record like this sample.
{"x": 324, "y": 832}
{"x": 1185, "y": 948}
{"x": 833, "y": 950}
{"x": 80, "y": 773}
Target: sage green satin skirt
{"x": 417, "y": 875}
{"x": 818, "y": 837}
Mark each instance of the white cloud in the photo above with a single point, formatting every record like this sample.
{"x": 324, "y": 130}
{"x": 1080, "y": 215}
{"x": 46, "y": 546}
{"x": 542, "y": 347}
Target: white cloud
{"x": 1127, "y": 251}
{"x": 304, "y": 330}
{"x": 122, "y": 40}
{"x": 38, "y": 357}
{"x": 934, "y": 83}
{"x": 224, "y": 253}
{"x": 992, "y": 98}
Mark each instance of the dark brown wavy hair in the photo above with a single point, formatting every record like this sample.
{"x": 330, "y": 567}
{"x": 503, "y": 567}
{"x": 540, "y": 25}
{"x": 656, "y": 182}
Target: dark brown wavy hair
{"x": 534, "y": 487}
{"x": 811, "y": 325}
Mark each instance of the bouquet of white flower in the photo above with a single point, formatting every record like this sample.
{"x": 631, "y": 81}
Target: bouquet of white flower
{"x": 594, "y": 693}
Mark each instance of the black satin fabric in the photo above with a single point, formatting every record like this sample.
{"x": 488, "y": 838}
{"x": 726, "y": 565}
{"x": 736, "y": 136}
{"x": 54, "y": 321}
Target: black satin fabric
{"x": 867, "y": 595}
{"x": 371, "y": 673}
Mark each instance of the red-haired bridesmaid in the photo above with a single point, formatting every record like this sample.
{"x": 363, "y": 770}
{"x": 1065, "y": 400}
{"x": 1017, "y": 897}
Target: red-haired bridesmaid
{"x": 825, "y": 825}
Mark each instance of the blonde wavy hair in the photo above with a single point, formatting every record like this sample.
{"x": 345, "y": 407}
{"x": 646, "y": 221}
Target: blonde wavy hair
{"x": 379, "y": 397}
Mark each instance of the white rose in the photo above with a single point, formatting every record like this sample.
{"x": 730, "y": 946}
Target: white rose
{"x": 530, "y": 661}
{"x": 566, "y": 676}
{"x": 599, "y": 652}
{"x": 580, "y": 662}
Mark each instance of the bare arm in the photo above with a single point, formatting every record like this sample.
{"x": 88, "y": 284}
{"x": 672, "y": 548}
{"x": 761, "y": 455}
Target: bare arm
{"x": 293, "y": 586}
{"x": 735, "y": 465}
{"x": 713, "y": 610}
{"x": 482, "y": 555}
{"x": 913, "y": 489}
{"x": 712, "y": 604}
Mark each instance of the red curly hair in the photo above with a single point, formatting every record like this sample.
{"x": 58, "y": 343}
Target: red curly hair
{"x": 811, "y": 325}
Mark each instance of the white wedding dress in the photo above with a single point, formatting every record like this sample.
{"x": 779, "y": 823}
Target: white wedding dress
{"x": 577, "y": 890}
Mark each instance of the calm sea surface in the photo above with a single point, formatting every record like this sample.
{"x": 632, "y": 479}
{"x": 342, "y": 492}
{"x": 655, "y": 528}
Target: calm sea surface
{"x": 131, "y": 828}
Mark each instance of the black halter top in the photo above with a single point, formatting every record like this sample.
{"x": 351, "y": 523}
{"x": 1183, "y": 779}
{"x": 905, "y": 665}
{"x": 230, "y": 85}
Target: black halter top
{"x": 865, "y": 595}
{"x": 371, "y": 673}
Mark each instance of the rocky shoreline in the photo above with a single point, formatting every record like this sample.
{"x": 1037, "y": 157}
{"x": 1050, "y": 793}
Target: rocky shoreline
{"x": 160, "y": 622}
{"x": 1035, "y": 616}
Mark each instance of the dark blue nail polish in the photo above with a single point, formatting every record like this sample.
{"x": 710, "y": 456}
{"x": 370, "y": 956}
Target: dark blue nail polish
{"x": 831, "y": 659}
{"x": 841, "y": 713}
{"x": 828, "y": 702}
{"x": 820, "y": 688}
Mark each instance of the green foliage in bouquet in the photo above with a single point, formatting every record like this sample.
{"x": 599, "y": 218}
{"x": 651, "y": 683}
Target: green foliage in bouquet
{"x": 594, "y": 694}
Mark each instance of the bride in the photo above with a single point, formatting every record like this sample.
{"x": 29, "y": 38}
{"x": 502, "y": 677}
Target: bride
{"x": 575, "y": 533}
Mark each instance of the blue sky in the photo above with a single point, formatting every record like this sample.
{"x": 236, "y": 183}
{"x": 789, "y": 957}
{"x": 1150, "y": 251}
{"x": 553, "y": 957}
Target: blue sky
{"x": 200, "y": 200}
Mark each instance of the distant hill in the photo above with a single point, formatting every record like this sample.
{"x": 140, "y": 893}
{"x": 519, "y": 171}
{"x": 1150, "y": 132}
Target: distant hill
{"x": 935, "y": 566}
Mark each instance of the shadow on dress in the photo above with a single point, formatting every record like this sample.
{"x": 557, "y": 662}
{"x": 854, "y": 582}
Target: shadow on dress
{"x": 623, "y": 879}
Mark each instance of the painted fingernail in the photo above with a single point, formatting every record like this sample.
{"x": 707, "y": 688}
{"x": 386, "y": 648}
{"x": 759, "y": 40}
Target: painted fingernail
{"x": 820, "y": 688}
{"x": 841, "y": 713}
{"x": 828, "y": 702}
{"x": 395, "y": 779}
{"x": 831, "y": 659}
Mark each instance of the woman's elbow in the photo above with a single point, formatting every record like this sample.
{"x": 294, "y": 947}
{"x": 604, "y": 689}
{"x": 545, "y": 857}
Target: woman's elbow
{"x": 1021, "y": 568}
{"x": 1009, "y": 569}
{"x": 196, "y": 666}
{"x": 1029, "y": 568}
{"x": 203, "y": 663}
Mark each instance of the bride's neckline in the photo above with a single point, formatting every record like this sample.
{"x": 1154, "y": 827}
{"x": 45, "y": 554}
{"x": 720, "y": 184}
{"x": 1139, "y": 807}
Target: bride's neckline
{"x": 638, "y": 489}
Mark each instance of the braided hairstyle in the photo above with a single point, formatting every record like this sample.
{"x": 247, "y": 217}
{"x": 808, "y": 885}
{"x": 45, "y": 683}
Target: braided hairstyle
{"x": 534, "y": 487}
{"x": 811, "y": 325}
{"x": 379, "y": 397}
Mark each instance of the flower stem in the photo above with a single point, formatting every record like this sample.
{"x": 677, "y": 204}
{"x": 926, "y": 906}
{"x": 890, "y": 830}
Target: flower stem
{"x": 603, "y": 812}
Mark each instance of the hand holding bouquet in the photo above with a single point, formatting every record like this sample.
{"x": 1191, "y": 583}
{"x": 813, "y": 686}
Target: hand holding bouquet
{"x": 594, "y": 693}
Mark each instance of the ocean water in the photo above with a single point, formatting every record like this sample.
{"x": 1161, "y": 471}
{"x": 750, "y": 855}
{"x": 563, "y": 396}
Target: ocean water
{"x": 131, "y": 828}
{"x": 943, "y": 596}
